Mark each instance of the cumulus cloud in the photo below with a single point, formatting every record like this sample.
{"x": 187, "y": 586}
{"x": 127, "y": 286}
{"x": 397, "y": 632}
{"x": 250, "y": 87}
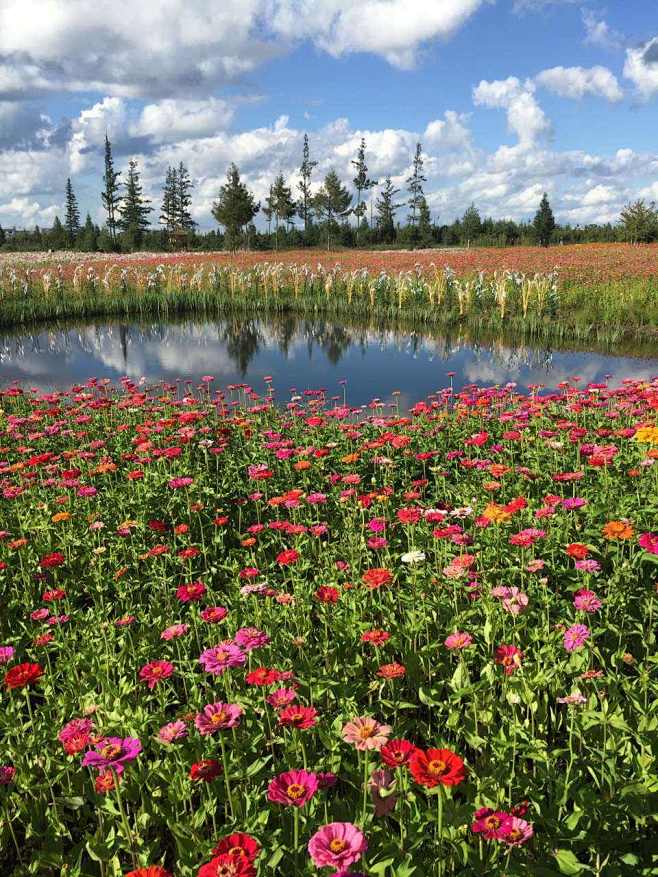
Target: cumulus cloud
{"x": 576, "y": 82}
{"x": 170, "y": 120}
{"x": 525, "y": 117}
{"x": 641, "y": 67}
{"x": 599, "y": 33}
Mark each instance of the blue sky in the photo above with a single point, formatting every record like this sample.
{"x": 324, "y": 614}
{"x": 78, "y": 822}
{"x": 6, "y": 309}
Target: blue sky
{"x": 509, "y": 98}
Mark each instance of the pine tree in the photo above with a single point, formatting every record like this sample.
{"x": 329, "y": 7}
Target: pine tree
{"x": 72, "y": 218}
{"x": 268, "y": 210}
{"x": 640, "y": 222}
{"x": 331, "y": 202}
{"x": 471, "y": 224}
{"x": 134, "y": 209}
{"x": 424, "y": 222}
{"x": 88, "y": 239}
{"x": 415, "y": 188}
{"x": 305, "y": 203}
{"x": 183, "y": 188}
{"x": 361, "y": 183}
{"x": 386, "y": 207}
{"x": 3, "y": 236}
{"x": 57, "y": 236}
{"x": 544, "y": 222}
{"x": 235, "y": 207}
{"x": 282, "y": 204}
{"x": 169, "y": 211}
{"x": 110, "y": 194}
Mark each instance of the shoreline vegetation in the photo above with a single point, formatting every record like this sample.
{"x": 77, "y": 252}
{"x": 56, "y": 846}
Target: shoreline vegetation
{"x": 468, "y": 289}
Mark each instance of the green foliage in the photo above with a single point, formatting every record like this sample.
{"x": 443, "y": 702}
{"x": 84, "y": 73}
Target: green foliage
{"x": 110, "y": 195}
{"x": 72, "y": 217}
{"x": 640, "y": 222}
{"x": 235, "y": 208}
{"x": 332, "y": 202}
{"x": 386, "y": 208}
{"x": 134, "y": 210}
{"x": 305, "y": 202}
{"x": 544, "y": 222}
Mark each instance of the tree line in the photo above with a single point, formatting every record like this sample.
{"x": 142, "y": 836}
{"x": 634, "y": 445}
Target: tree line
{"x": 303, "y": 215}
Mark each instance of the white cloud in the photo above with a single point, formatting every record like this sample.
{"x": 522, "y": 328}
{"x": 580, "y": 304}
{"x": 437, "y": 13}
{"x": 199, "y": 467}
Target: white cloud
{"x": 171, "y": 120}
{"x": 394, "y": 29}
{"x": 524, "y": 115}
{"x": 599, "y": 33}
{"x": 641, "y": 67}
{"x": 576, "y": 82}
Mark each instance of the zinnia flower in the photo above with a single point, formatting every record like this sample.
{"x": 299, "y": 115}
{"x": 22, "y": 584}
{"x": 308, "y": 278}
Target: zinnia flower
{"x": 437, "y": 767}
{"x": 22, "y": 675}
{"x": 7, "y": 774}
{"x": 382, "y": 786}
{"x": 458, "y": 640}
{"x": 292, "y": 788}
{"x": 586, "y": 601}
{"x": 218, "y": 659}
{"x": 6, "y": 654}
{"x": 575, "y": 637}
{"x": 366, "y": 733}
{"x": 492, "y": 825}
{"x": 301, "y": 717}
{"x": 649, "y": 541}
{"x": 520, "y": 831}
{"x": 238, "y": 845}
{"x": 112, "y": 752}
{"x": 172, "y": 731}
{"x": 337, "y": 845}
{"x": 227, "y": 865}
{"x": 149, "y": 871}
{"x": 216, "y": 716}
{"x": 509, "y": 657}
{"x": 396, "y": 753}
{"x": 155, "y": 671}
{"x": 75, "y": 735}
{"x": 205, "y": 770}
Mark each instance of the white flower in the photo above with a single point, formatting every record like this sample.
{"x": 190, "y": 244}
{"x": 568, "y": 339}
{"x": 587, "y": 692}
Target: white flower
{"x": 413, "y": 557}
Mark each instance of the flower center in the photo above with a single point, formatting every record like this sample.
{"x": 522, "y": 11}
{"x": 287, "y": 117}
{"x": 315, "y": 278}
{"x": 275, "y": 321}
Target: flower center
{"x": 337, "y": 845}
{"x": 366, "y": 731}
{"x": 492, "y": 822}
{"x": 218, "y": 718}
{"x": 436, "y": 767}
{"x": 295, "y": 791}
{"x": 514, "y": 834}
{"x": 111, "y": 751}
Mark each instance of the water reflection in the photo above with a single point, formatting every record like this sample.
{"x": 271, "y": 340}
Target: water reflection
{"x": 301, "y": 352}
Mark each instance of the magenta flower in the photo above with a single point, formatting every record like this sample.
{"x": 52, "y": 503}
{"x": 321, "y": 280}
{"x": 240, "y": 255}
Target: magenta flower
{"x": 491, "y": 824}
{"x": 292, "y": 788}
{"x": 6, "y": 653}
{"x": 214, "y": 614}
{"x": 337, "y": 845}
{"x": 250, "y": 638}
{"x": 216, "y": 716}
{"x": 586, "y": 601}
{"x": 7, "y": 774}
{"x": 520, "y": 832}
{"x": 112, "y": 752}
{"x": 588, "y": 565}
{"x": 575, "y": 637}
{"x": 177, "y": 483}
{"x": 649, "y": 541}
{"x": 218, "y": 659}
{"x": 282, "y": 697}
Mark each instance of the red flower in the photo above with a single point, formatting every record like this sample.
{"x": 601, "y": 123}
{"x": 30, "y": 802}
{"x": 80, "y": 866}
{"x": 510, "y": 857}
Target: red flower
{"x": 106, "y": 781}
{"x": 437, "y": 767}
{"x": 327, "y": 594}
{"x": 376, "y": 637}
{"x": 396, "y": 753}
{"x": 22, "y": 675}
{"x": 577, "y": 550}
{"x": 287, "y": 557}
{"x": 205, "y": 770}
{"x": 509, "y": 657}
{"x": 302, "y": 717}
{"x": 262, "y": 676}
{"x": 375, "y": 578}
{"x": 52, "y": 560}
{"x": 391, "y": 671}
{"x": 238, "y": 844}
{"x": 191, "y": 593}
{"x": 226, "y": 865}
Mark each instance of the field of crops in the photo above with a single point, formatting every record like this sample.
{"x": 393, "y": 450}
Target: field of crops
{"x": 240, "y": 639}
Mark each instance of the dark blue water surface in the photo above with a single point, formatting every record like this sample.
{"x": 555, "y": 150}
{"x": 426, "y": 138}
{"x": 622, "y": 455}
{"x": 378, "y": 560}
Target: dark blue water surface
{"x": 303, "y": 353}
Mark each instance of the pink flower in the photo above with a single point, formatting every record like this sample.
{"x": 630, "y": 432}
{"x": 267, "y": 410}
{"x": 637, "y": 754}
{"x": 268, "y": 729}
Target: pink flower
{"x": 515, "y": 602}
{"x": 337, "y": 845}
{"x": 7, "y": 774}
{"x": 172, "y": 731}
{"x": 458, "y": 640}
{"x": 155, "y": 671}
{"x": 586, "y": 601}
{"x": 292, "y": 788}
{"x": 520, "y": 832}
{"x": 366, "y": 733}
{"x": 177, "y": 483}
{"x": 112, "y": 752}
{"x": 649, "y": 541}
{"x": 174, "y": 631}
{"x": 282, "y": 697}
{"x": 6, "y": 654}
{"x": 216, "y": 716}
{"x": 575, "y": 699}
{"x": 214, "y": 614}
{"x": 575, "y": 637}
{"x": 218, "y": 659}
{"x": 75, "y": 735}
{"x": 588, "y": 565}
{"x": 250, "y": 638}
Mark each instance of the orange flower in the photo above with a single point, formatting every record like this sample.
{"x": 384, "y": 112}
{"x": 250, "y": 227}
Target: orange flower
{"x": 615, "y": 530}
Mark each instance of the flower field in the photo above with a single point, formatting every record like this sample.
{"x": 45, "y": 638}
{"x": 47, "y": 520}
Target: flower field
{"x": 242, "y": 639}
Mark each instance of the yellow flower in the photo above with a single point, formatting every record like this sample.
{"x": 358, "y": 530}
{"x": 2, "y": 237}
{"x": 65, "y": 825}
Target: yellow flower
{"x": 647, "y": 435}
{"x": 496, "y": 513}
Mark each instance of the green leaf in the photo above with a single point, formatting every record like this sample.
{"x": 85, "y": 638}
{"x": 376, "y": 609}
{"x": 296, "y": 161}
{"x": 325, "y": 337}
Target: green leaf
{"x": 568, "y": 863}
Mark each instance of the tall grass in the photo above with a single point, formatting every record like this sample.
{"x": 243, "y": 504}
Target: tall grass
{"x": 539, "y": 305}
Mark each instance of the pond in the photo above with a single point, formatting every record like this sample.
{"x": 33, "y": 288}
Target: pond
{"x": 359, "y": 360}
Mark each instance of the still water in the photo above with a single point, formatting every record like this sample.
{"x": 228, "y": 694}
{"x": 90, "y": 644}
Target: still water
{"x": 362, "y": 361}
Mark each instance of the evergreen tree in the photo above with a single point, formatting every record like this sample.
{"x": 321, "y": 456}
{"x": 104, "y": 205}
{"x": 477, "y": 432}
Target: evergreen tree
{"x": 57, "y": 236}
{"x": 471, "y": 224}
{"x": 386, "y": 208}
{"x": 3, "y": 236}
{"x": 183, "y": 188}
{"x": 415, "y": 189}
{"x": 110, "y": 194}
{"x": 268, "y": 210}
{"x": 134, "y": 209}
{"x": 361, "y": 183}
{"x": 88, "y": 239}
{"x": 331, "y": 202}
{"x": 169, "y": 211}
{"x": 305, "y": 203}
{"x": 235, "y": 207}
{"x": 640, "y": 222}
{"x": 544, "y": 222}
{"x": 424, "y": 222}
{"x": 281, "y": 204}
{"x": 72, "y": 218}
